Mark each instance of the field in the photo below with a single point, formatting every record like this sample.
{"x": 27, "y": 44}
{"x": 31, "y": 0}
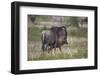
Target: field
{"x": 75, "y": 49}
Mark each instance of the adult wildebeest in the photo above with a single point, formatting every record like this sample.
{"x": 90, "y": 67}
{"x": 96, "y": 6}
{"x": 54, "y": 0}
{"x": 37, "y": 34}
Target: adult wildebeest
{"x": 55, "y": 37}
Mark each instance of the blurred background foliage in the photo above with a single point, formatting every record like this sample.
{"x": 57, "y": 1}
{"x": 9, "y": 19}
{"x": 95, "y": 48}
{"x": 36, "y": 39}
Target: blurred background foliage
{"x": 59, "y": 20}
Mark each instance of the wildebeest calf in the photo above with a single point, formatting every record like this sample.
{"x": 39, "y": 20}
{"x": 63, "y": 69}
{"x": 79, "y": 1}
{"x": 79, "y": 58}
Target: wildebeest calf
{"x": 54, "y": 38}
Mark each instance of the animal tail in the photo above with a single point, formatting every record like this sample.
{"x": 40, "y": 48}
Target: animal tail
{"x": 42, "y": 37}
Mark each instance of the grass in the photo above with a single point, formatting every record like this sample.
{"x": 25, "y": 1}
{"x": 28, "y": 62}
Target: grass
{"x": 51, "y": 57}
{"x": 77, "y": 44}
{"x": 77, "y": 32}
{"x": 80, "y": 54}
{"x": 33, "y": 33}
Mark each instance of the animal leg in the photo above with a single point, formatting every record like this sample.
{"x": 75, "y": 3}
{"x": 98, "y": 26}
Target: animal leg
{"x": 60, "y": 50}
{"x": 54, "y": 51}
{"x": 42, "y": 47}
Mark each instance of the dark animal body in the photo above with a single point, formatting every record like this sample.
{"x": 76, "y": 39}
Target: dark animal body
{"x": 54, "y": 38}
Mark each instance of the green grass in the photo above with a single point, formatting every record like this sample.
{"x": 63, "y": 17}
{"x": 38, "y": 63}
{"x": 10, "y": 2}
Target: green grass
{"x": 82, "y": 53}
{"x": 77, "y": 32}
{"x": 49, "y": 57}
{"x": 33, "y": 33}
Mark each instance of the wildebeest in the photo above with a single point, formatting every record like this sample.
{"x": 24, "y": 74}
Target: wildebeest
{"x": 54, "y": 38}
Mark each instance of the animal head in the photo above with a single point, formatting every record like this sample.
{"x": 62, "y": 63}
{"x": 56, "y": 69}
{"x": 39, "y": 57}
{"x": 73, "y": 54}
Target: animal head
{"x": 63, "y": 35}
